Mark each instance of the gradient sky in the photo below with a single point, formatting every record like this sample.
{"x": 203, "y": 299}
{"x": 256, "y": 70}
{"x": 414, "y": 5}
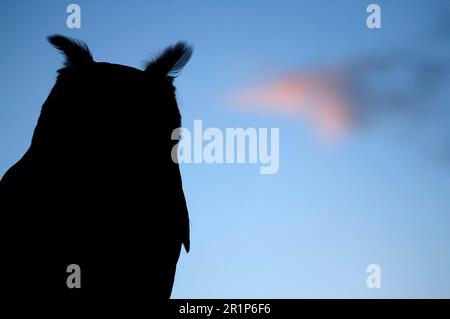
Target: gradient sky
{"x": 381, "y": 194}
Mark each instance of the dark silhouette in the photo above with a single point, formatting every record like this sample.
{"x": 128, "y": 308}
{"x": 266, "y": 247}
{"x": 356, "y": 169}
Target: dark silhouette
{"x": 98, "y": 187}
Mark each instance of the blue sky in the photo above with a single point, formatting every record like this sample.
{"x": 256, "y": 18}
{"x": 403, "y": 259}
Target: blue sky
{"x": 380, "y": 195}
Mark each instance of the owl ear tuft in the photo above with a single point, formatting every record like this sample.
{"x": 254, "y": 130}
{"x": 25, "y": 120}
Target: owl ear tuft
{"x": 171, "y": 61}
{"x": 76, "y": 52}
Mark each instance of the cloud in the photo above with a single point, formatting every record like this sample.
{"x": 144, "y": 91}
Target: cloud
{"x": 317, "y": 97}
{"x": 407, "y": 86}
{"x": 338, "y": 100}
{"x": 405, "y": 81}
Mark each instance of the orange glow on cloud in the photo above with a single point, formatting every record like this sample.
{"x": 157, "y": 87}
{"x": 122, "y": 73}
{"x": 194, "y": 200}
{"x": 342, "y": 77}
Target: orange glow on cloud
{"x": 318, "y": 98}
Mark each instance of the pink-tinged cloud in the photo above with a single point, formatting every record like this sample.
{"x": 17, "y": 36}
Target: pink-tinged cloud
{"x": 319, "y": 98}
